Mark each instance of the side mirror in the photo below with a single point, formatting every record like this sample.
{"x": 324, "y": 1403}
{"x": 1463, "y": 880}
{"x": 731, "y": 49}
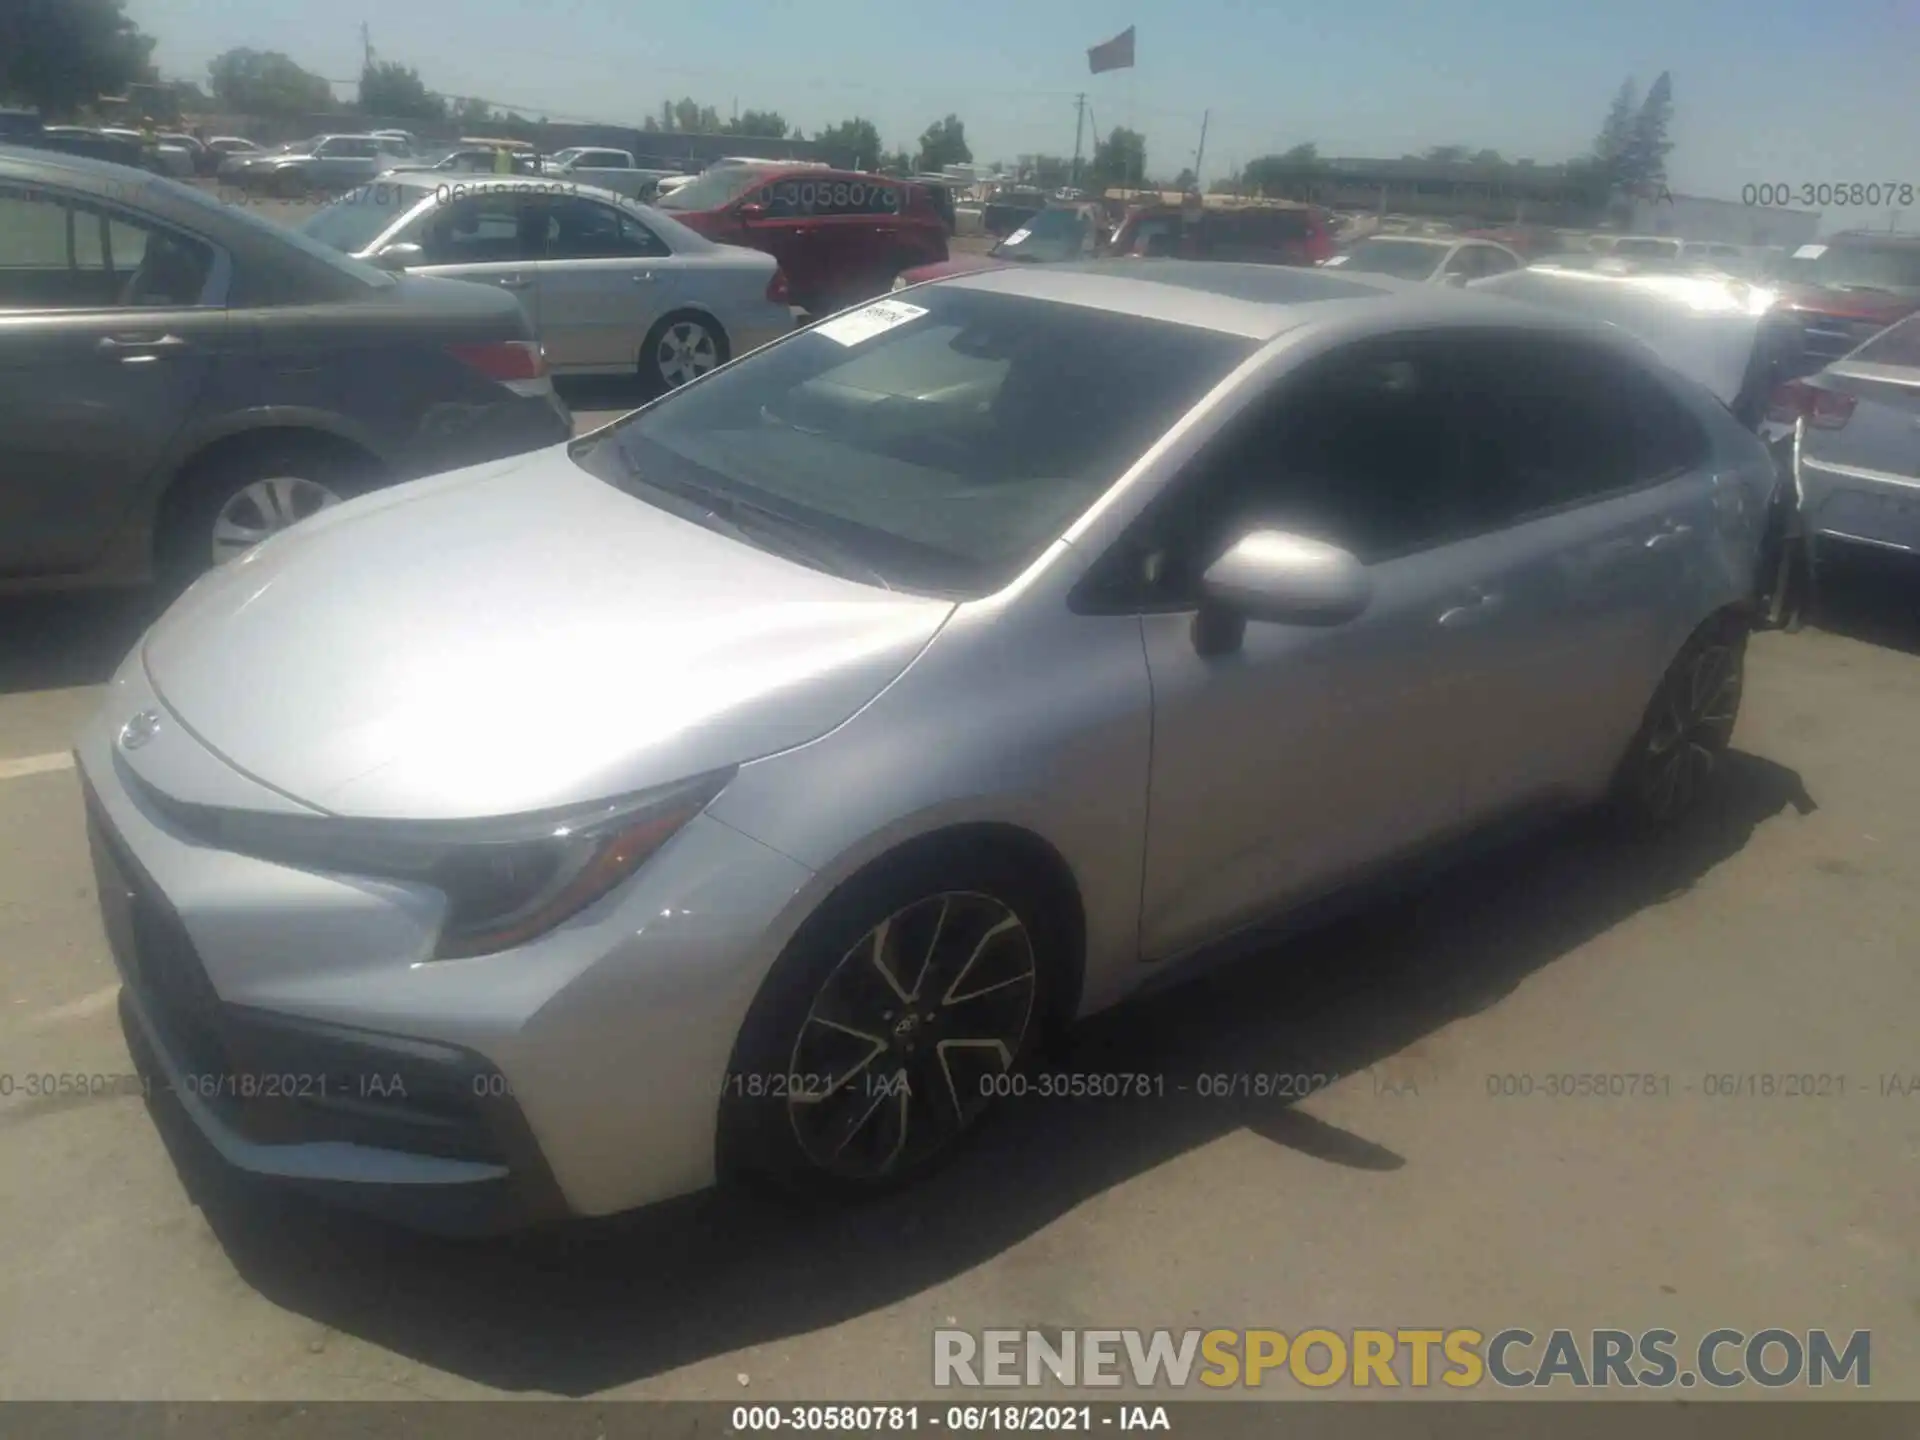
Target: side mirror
{"x": 751, "y": 210}
{"x": 1284, "y": 579}
{"x": 1454, "y": 280}
{"x": 399, "y": 257}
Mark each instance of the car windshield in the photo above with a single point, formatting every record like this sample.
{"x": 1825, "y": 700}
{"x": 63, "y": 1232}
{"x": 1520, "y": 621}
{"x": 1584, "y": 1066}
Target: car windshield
{"x": 719, "y": 186}
{"x": 357, "y": 218}
{"x": 1866, "y": 267}
{"x": 1405, "y": 259}
{"x": 1050, "y": 235}
{"x": 938, "y": 446}
{"x": 282, "y": 234}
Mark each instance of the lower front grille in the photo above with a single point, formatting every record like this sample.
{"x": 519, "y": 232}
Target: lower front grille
{"x": 281, "y": 1080}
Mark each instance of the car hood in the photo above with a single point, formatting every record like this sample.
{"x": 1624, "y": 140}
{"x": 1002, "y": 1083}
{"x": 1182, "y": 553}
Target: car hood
{"x": 958, "y": 265}
{"x": 515, "y": 637}
{"x": 1850, "y": 304}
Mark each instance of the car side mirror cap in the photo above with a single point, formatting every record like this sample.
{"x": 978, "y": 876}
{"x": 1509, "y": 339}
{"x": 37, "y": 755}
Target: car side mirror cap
{"x": 399, "y": 257}
{"x": 752, "y": 210}
{"x": 1280, "y": 578}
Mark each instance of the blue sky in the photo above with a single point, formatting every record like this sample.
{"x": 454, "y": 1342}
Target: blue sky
{"x": 1765, "y": 90}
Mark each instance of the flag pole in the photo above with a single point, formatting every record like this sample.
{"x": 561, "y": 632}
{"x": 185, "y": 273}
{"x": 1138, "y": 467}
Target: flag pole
{"x": 1200, "y": 155}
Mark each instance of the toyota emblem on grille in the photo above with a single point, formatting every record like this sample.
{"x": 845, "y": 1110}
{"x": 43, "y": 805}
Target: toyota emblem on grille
{"x": 140, "y": 729}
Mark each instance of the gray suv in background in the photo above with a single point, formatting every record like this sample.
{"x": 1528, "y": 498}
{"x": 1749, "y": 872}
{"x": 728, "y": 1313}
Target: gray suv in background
{"x": 179, "y": 379}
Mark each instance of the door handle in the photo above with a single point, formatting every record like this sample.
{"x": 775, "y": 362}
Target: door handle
{"x": 645, "y": 277}
{"x": 514, "y": 282}
{"x": 1672, "y": 534}
{"x": 1481, "y": 607}
{"x": 140, "y": 344}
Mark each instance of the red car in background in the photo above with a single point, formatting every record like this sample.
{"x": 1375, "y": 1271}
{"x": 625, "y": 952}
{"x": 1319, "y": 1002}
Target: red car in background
{"x": 840, "y": 236}
{"x": 1846, "y": 289}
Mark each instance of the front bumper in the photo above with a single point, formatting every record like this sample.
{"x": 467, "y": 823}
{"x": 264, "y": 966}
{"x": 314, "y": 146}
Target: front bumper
{"x": 311, "y": 1041}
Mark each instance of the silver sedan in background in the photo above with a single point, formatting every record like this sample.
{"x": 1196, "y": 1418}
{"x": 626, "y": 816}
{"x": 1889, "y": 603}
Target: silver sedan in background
{"x": 1433, "y": 260}
{"x": 748, "y": 787}
{"x": 1856, "y": 448}
{"x": 611, "y": 286}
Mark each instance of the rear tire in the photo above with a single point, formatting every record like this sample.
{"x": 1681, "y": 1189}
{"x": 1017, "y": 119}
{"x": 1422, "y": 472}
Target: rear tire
{"x": 291, "y": 185}
{"x": 682, "y": 347}
{"x": 1676, "y": 752}
{"x": 956, "y": 955}
{"x": 233, "y": 501}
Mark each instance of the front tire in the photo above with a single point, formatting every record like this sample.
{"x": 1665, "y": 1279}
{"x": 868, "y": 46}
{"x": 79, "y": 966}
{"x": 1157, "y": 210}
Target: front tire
{"x": 883, "y": 1035}
{"x": 1687, "y": 728}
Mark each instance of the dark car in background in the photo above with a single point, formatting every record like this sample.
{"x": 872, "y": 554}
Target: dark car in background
{"x": 1057, "y": 234}
{"x": 180, "y": 379}
{"x": 1258, "y": 234}
{"x": 1848, "y": 288}
{"x": 840, "y": 236}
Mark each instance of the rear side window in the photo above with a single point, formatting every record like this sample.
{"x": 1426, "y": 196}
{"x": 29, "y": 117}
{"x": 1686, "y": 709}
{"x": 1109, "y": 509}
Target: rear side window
{"x": 1557, "y": 423}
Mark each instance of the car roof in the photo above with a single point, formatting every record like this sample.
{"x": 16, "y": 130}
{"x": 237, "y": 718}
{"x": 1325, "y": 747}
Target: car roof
{"x": 1257, "y": 302}
{"x": 1436, "y": 242}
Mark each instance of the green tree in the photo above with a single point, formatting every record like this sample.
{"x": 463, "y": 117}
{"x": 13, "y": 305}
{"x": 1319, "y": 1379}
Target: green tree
{"x": 766, "y": 124}
{"x": 1186, "y": 180}
{"x": 1616, "y": 131}
{"x": 857, "y": 141}
{"x": 943, "y": 144}
{"x": 898, "y": 162}
{"x": 1290, "y": 174}
{"x": 472, "y": 110}
{"x": 389, "y": 88}
{"x": 1119, "y": 161}
{"x": 687, "y": 116}
{"x": 1047, "y": 172}
{"x": 1642, "y": 165}
{"x": 266, "y": 82}
{"x": 60, "y": 55}
{"x": 1446, "y": 155}
{"x": 1488, "y": 157}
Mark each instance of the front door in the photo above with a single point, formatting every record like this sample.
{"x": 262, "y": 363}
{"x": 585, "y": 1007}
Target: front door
{"x": 604, "y": 282}
{"x": 1309, "y": 753}
{"x": 495, "y": 237}
{"x": 109, "y": 329}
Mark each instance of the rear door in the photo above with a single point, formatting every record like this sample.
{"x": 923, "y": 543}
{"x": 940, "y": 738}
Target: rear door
{"x": 489, "y": 234}
{"x": 1598, "y": 473}
{"x": 606, "y": 278}
{"x": 110, "y": 327}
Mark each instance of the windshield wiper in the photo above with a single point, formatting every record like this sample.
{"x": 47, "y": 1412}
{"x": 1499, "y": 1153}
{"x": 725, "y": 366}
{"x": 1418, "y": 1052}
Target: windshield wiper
{"x": 759, "y": 527}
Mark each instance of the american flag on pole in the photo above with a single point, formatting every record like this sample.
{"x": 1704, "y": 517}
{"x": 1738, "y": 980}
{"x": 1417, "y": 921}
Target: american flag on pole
{"x": 1115, "y": 54}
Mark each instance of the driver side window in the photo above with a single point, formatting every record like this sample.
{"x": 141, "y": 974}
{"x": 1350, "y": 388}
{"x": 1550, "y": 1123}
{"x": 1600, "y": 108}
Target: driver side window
{"x": 495, "y": 229}
{"x": 1362, "y": 451}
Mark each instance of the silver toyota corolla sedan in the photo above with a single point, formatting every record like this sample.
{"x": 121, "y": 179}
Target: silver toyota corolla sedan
{"x": 746, "y": 787}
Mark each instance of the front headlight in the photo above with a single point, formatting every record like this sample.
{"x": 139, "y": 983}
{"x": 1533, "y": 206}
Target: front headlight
{"x": 506, "y": 881}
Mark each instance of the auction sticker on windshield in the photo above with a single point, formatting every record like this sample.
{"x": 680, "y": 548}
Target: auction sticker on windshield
{"x": 869, "y": 321}
{"x": 1809, "y": 252}
{"x": 1017, "y": 236}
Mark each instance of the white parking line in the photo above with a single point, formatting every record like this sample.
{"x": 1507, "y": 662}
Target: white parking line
{"x": 35, "y": 765}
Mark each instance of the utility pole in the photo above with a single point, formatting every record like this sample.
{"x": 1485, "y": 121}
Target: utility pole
{"x": 366, "y": 47}
{"x": 1079, "y": 122}
{"x": 1200, "y": 155}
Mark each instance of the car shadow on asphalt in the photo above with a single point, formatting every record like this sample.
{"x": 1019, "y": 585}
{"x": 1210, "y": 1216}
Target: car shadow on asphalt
{"x": 581, "y": 1309}
{"x": 1870, "y": 596}
{"x": 56, "y": 642}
